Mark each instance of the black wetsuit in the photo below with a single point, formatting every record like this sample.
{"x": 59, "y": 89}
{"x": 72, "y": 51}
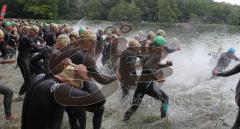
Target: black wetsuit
{"x": 3, "y": 49}
{"x": 233, "y": 71}
{"x": 14, "y": 41}
{"x": 25, "y": 47}
{"x": 86, "y": 59}
{"x": 50, "y": 37}
{"x": 114, "y": 55}
{"x": 7, "y": 102}
{"x": 10, "y": 42}
{"x": 40, "y": 110}
{"x": 146, "y": 85}
{"x": 127, "y": 69}
{"x": 77, "y": 115}
{"x": 99, "y": 45}
{"x": 8, "y": 39}
{"x": 106, "y": 52}
{"x": 36, "y": 65}
{"x": 224, "y": 61}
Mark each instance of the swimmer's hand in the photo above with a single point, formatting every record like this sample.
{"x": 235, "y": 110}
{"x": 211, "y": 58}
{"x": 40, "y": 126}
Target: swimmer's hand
{"x": 178, "y": 49}
{"x": 81, "y": 70}
{"x": 169, "y": 63}
{"x": 66, "y": 62}
{"x": 215, "y": 72}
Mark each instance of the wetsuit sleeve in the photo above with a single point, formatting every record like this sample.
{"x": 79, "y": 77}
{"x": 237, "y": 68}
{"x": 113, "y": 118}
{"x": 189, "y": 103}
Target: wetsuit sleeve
{"x": 170, "y": 50}
{"x": 54, "y": 39}
{"x": 236, "y": 58}
{"x": 131, "y": 60}
{"x": 93, "y": 71}
{"x": 100, "y": 77}
{"x": 106, "y": 49}
{"x": 36, "y": 47}
{"x": 7, "y": 38}
{"x": 163, "y": 65}
{"x": 233, "y": 71}
{"x": 42, "y": 55}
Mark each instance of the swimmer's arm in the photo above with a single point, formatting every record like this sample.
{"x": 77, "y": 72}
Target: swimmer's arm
{"x": 100, "y": 77}
{"x": 54, "y": 39}
{"x": 233, "y": 71}
{"x": 35, "y": 46}
{"x": 169, "y": 50}
{"x": 93, "y": 70}
{"x": 168, "y": 64}
{"x": 163, "y": 65}
{"x": 236, "y": 58}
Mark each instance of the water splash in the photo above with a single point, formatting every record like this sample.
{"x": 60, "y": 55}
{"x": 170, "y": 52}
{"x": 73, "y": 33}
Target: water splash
{"x": 196, "y": 101}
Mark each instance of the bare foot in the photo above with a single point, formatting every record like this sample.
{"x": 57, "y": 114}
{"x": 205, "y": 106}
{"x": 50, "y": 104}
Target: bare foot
{"x": 11, "y": 117}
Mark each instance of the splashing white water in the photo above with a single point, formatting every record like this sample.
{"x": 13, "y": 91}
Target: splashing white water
{"x": 196, "y": 101}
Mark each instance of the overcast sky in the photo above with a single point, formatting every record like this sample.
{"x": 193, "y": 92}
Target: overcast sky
{"x": 229, "y": 1}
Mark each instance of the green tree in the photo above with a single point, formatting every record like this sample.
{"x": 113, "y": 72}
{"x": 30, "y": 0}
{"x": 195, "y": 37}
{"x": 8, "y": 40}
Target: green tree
{"x": 47, "y": 9}
{"x": 107, "y": 5}
{"x": 170, "y": 11}
{"x": 148, "y": 9}
{"x": 94, "y": 10}
{"x": 72, "y": 9}
{"x": 234, "y": 17}
{"x": 194, "y": 18}
{"x": 125, "y": 11}
{"x": 166, "y": 11}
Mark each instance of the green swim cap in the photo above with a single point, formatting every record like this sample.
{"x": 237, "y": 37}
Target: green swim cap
{"x": 13, "y": 22}
{"x": 159, "y": 41}
{"x": 7, "y": 24}
{"x": 81, "y": 30}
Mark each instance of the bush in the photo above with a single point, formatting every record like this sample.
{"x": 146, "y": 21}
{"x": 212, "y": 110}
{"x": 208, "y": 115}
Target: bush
{"x": 125, "y": 11}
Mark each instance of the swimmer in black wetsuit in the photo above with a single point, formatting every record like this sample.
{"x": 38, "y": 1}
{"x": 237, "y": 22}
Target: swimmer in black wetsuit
{"x": 106, "y": 51}
{"x": 3, "y": 45}
{"x": 40, "y": 109}
{"x": 100, "y": 43}
{"x": 110, "y": 51}
{"x": 127, "y": 68}
{"x": 225, "y": 60}
{"x": 231, "y": 72}
{"x": 52, "y": 34}
{"x": 8, "y": 39}
{"x": 77, "y": 115}
{"x": 145, "y": 83}
{"x": 25, "y": 46}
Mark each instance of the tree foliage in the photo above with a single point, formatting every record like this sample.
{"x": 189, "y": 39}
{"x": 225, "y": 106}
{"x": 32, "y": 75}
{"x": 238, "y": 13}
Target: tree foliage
{"x": 125, "y": 11}
{"x": 167, "y": 11}
{"x": 45, "y": 9}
